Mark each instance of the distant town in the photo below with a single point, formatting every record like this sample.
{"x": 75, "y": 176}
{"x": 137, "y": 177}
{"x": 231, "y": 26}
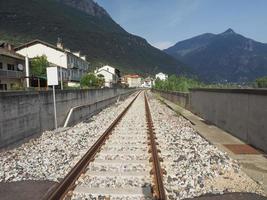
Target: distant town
{"x": 21, "y": 68}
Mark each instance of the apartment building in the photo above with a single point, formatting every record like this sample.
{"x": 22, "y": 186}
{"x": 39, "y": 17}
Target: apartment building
{"x": 72, "y": 64}
{"x": 12, "y": 70}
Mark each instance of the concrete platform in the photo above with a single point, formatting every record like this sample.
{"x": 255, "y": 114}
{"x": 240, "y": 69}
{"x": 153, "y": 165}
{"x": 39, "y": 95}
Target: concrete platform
{"x": 254, "y": 165}
{"x": 25, "y": 190}
{"x": 231, "y": 196}
{"x": 129, "y": 192}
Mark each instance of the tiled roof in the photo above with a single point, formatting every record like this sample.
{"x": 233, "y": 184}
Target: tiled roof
{"x": 7, "y": 53}
{"x": 46, "y": 44}
{"x": 132, "y": 76}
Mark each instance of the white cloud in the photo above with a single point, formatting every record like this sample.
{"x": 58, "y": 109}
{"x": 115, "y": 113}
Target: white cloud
{"x": 162, "y": 45}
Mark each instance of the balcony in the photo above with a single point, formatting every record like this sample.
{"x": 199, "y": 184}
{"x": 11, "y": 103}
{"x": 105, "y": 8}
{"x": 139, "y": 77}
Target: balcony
{"x": 10, "y": 74}
{"x": 75, "y": 78}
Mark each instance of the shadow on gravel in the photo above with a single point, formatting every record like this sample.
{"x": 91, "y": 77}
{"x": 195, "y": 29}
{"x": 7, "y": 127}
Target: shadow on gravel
{"x": 25, "y": 190}
{"x": 230, "y": 196}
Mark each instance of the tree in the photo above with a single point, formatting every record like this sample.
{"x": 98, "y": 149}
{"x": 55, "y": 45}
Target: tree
{"x": 92, "y": 81}
{"x": 101, "y": 80}
{"x": 261, "y": 82}
{"x": 39, "y": 65}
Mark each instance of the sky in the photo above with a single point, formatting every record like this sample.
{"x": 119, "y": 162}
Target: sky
{"x": 164, "y": 22}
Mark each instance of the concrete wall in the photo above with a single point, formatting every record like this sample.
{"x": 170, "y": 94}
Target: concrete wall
{"x": 180, "y": 98}
{"x": 242, "y": 112}
{"x": 24, "y": 114}
{"x": 85, "y": 111}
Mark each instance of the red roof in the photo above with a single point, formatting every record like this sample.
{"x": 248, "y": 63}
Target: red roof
{"x": 132, "y": 76}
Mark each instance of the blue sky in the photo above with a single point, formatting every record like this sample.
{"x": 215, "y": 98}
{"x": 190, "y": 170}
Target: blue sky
{"x": 165, "y": 22}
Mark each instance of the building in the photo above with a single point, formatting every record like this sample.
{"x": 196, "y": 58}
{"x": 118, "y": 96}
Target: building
{"x": 147, "y": 83}
{"x": 133, "y": 80}
{"x": 72, "y": 65}
{"x": 111, "y": 75}
{"x": 12, "y": 70}
{"x": 161, "y": 76}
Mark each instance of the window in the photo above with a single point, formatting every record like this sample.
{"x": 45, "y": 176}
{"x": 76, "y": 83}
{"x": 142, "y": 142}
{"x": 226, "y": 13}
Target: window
{"x": 3, "y": 86}
{"x": 10, "y": 67}
{"x": 1, "y": 65}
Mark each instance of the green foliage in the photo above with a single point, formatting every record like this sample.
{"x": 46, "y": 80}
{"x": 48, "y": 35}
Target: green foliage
{"x": 101, "y": 80}
{"x": 38, "y": 66}
{"x": 17, "y": 86}
{"x": 92, "y": 81}
{"x": 182, "y": 84}
{"x": 177, "y": 83}
{"x": 261, "y": 82}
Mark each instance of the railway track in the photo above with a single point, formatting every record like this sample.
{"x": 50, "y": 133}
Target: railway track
{"x": 122, "y": 164}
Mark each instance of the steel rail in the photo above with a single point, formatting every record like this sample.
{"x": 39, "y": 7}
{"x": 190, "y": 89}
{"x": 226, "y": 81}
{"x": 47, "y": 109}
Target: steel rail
{"x": 157, "y": 170}
{"x": 68, "y": 182}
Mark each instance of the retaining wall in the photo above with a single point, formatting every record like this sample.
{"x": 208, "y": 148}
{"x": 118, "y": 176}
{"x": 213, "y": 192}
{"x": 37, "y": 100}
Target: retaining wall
{"x": 180, "y": 98}
{"x": 241, "y": 112}
{"x": 25, "y": 114}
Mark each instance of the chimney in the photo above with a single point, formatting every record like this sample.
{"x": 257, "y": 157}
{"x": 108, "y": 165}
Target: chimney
{"x": 59, "y": 43}
{"x": 8, "y": 47}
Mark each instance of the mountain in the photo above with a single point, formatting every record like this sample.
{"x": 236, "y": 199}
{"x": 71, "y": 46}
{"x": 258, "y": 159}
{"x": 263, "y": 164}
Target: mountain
{"x": 227, "y": 56}
{"x": 88, "y": 6}
{"x": 83, "y": 26}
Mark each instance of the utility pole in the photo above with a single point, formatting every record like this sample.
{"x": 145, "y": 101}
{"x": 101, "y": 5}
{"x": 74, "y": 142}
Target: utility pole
{"x": 27, "y": 71}
{"x": 61, "y": 73}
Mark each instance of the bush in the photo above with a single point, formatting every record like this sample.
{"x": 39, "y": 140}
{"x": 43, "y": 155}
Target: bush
{"x": 261, "y": 82}
{"x": 177, "y": 83}
{"x": 17, "y": 86}
{"x": 92, "y": 81}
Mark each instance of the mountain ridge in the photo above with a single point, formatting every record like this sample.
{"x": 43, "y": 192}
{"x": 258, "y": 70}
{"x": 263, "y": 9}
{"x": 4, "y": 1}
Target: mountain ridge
{"x": 223, "y": 57}
{"x": 88, "y": 6}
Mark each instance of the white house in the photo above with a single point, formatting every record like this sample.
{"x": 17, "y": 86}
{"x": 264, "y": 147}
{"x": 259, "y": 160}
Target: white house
{"x": 73, "y": 65}
{"x": 111, "y": 75}
{"x": 148, "y": 82}
{"x": 161, "y": 76}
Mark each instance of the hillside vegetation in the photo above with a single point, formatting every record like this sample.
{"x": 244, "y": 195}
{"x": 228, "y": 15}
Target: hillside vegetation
{"x": 177, "y": 83}
{"x": 96, "y": 35}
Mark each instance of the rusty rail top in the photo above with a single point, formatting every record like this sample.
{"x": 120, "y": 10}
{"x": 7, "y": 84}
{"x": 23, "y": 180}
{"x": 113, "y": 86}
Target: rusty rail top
{"x": 157, "y": 171}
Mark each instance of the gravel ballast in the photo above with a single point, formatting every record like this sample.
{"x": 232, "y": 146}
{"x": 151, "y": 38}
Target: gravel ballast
{"x": 54, "y": 153}
{"x": 122, "y": 163}
{"x": 194, "y": 166}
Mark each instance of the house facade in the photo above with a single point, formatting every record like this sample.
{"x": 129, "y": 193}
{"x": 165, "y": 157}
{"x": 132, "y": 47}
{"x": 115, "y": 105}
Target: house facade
{"x": 12, "y": 69}
{"x": 161, "y": 76}
{"x": 111, "y": 75}
{"x": 133, "y": 80}
{"x": 72, "y": 65}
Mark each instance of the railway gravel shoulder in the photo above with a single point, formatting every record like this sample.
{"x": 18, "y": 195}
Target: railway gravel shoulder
{"x": 52, "y": 155}
{"x": 194, "y": 166}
